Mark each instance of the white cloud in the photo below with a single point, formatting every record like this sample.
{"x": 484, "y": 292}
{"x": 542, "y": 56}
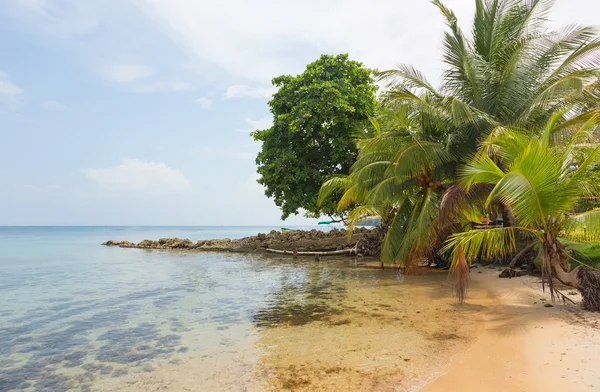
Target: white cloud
{"x": 258, "y": 124}
{"x": 258, "y": 40}
{"x": 204, "y": 102}
{"x": 53, "y": 106}
{"x": 165, "y": 87}
{"x": 7, "y": 88}
{"x": 243, "y": 91}
{"x": 125, "y": 73}
{"x": 137, "y": 175}
{"x": 261, "y": 39}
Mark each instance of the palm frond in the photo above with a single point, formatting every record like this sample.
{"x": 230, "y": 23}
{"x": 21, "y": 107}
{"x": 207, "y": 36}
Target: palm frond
{"x": 338, "y": 183}
{"x": 584, "y": 226}
{"x": 356, "y": 215}
{"x": 457, "y": 201}
{"x": 418, "y": 156}
{"x": 412, "y": 230}
{"x": 480, "y": 169}
{"x": 409, "y": 77}
{"x": 484, "y": 243}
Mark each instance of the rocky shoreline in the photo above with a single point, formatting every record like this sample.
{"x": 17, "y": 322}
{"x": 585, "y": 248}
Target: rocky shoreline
{"x": 363, "y": 242}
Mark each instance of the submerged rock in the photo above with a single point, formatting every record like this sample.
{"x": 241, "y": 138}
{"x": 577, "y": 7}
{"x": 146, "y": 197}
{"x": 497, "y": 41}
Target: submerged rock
{"x": 118, "y": 243}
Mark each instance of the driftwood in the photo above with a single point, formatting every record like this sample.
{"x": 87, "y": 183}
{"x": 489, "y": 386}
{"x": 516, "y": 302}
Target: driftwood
{"x": 326, "y": 253}
{"x": 348, "y": 251}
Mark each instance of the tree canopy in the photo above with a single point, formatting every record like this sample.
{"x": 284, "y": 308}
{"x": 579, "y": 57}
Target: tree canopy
{"x": 315, "y": 115}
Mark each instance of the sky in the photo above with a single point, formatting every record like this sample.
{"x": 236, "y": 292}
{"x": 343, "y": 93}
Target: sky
{"x": 138, "y": 112}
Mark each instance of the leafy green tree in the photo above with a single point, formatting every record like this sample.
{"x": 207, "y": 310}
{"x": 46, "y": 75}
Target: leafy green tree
{"x": 544, "y": 177}
{"x": 315, "y": 115}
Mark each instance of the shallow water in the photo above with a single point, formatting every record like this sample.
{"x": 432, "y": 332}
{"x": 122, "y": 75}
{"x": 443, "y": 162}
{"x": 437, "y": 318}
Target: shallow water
{"x": 78, "y": 316}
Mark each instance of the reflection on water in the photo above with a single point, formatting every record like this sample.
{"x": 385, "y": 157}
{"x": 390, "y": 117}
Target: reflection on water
{"x": 97, "y": 318}
{"x": 301, "y": 299}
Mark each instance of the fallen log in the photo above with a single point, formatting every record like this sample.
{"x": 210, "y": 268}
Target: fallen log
{"x": 351, "y": 251}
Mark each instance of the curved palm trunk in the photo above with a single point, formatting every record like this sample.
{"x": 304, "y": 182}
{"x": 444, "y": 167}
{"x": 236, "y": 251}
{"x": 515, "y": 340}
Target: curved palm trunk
{"x": 555, "y": 261}
{"x": 585, "y": 279}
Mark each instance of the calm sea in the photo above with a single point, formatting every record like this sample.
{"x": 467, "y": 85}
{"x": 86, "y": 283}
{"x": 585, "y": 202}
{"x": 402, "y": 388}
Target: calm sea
{"x": 75, "y": 315}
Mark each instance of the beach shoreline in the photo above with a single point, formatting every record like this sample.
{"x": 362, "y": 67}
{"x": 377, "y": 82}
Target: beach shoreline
{"x": 527, "y": 343}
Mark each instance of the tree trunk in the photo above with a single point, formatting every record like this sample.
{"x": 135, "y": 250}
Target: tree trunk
{"x": 583, "y": 278}
{"x": 508, "y": 271}
{"x": 508, "y": 218}
{"x": 557, "y": 262}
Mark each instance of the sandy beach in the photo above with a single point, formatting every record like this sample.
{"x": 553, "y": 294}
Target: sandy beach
{"x": 525, "y": 346}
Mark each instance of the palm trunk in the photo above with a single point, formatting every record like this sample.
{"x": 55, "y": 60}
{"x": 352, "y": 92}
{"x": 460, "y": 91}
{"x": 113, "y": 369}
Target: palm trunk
{"x": 585, "y": 279}
{"x": 557, "y": 262}
{"x": 508, "y": 218}
{"x": 523, "y": 251}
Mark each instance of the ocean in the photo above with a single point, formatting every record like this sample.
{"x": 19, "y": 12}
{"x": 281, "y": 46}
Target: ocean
{"x": 75, "y": 315}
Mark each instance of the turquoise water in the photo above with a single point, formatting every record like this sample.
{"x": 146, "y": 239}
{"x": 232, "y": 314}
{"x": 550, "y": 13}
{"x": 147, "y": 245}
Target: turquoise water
{"x": 75, "y": 315}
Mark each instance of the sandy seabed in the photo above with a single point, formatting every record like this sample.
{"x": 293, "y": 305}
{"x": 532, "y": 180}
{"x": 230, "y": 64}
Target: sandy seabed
{"x": 407, "y": 336}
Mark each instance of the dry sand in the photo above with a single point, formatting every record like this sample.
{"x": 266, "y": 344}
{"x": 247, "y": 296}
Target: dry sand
{"x": 525, "y": 346}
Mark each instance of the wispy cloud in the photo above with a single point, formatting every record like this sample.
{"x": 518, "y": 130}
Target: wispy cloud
{"x": 136, "y": 79}
{"x": 56, "y": 17}
{"x": 243, "y": 91}
{"x": 8, "y": 88}
{"x": 138, "y": 175}
{"x": 125, "y": 73}
{"x": 53, "y": 106}
{"x": 258, "y": 40}
{"x": 204, "y": 102}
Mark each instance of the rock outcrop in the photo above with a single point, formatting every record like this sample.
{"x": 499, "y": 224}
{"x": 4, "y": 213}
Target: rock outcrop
{"x": 301, "y": 241}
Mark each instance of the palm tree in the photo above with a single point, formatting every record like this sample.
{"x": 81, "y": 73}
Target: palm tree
{"x": 543, "y": 176}
{"x": 511, "y": 70}
{"x": 399, "y": 176}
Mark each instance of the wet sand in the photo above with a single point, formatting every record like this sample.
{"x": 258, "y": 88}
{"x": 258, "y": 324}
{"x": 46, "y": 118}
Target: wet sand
{"x": 405, "y": 335}
{"x": 389, "y": 337}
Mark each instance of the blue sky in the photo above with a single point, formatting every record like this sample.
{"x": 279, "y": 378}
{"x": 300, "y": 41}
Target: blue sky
{"x": 137, "y": 112}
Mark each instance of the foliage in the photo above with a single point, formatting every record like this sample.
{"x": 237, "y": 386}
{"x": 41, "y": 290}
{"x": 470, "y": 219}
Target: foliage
{"x": 315, "y": 117}
{"x": 510, "y": 71}
{"x": 544, "y": 182}
{"x": 585, "y": 252}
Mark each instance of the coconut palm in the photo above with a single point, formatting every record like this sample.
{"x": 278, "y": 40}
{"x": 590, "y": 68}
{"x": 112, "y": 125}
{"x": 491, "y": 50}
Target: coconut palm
{"x": 399, "y": 175}
{"x": 543, "y": 176}
{"x": 511, "y": 70}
